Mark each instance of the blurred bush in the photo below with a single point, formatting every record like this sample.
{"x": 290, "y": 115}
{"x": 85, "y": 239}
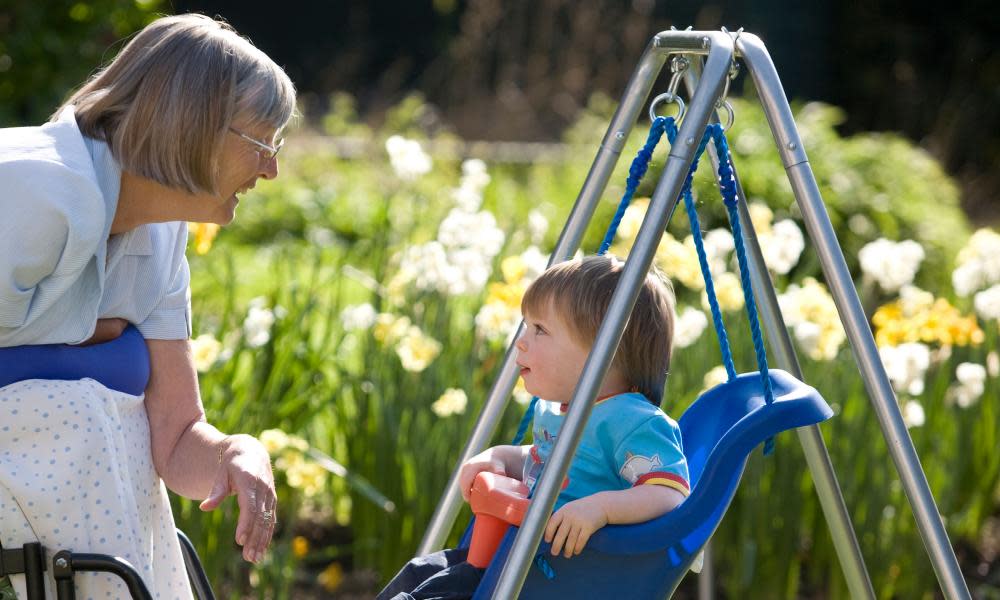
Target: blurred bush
{"x": 47, "y": 49}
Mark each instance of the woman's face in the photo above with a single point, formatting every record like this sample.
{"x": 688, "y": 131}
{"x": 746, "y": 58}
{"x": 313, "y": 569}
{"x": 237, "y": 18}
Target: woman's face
{"x": 241, "y": 164}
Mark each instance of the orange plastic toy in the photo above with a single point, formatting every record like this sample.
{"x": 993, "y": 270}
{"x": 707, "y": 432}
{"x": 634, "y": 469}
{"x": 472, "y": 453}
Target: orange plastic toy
{"x": 498, "y": 502}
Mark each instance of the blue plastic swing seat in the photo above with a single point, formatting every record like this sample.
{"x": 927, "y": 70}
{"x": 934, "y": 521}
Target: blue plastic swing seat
{"x": 648, "y": 560}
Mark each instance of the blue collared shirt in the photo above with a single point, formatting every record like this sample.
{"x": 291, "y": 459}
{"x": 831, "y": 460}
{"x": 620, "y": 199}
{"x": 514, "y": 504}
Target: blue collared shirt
{"x": 60, "y": 269}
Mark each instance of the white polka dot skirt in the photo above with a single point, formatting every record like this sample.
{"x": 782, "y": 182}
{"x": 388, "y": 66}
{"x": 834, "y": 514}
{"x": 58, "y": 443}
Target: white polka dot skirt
{"x": 76, "y": 473}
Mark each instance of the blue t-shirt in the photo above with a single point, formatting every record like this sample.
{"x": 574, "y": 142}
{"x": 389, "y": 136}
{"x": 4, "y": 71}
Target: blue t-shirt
{"x": 627, "y": 442}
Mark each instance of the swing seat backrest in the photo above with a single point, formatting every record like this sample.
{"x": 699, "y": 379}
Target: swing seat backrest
{"x": 648, "y": 560}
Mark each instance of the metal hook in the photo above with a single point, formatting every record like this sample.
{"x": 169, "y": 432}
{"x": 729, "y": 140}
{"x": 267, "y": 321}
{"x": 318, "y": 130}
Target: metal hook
{"x": 668, "y": 97}
{"x": 730, "y": 112}
{"x": 678, "y": 64}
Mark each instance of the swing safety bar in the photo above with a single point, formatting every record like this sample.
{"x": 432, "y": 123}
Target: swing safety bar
{"x": 719, "y": 50}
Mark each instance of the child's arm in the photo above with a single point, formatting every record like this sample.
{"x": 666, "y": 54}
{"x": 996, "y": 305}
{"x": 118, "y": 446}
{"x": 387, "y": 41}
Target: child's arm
{"x": 573, "y": 524}
{"x": 502, "y": 460}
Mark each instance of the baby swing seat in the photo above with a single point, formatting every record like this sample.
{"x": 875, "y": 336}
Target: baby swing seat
{"x": 648, "y": 560}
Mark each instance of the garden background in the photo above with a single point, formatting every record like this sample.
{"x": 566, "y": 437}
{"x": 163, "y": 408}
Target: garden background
{"x": 355, "y": 313}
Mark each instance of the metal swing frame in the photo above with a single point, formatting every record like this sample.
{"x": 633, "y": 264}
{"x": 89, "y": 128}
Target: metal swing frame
{"x": 720, "y": 49}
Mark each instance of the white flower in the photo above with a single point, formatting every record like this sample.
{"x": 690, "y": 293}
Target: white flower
{"x": 987, "y": 303}
{"x": 913, "y": 414}
{"x": 690, "y": 324}
{"x": 469, "y": 193}
{"x": 408, "y": 159}
{"x": 966, "y": 279}
{"x": 891, "y": 264}
{"x": 971, "y": 383}
{"x": 808, "y": 335}
{"x": 993, "y": 363}
{"x": 451, "y": 402}
{"x": 535, "y": 262}
{"x": 358, "y": 316}
{"x": 205, "y": 351}
{"x": 258, "y": 322}
{"x": 906, "y": 365}
{"x": 538, "y": 225}
{"x": 782, "y": 246}
{"x": 474, "y": 174}
{"x": 978, "y": 263}
{"x": 718, "y": 244}
{"x": 496, "y": 320}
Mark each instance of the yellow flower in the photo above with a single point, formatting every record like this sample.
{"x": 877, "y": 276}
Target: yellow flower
{"x": 303, "y": 475}
{"x": 204, "y": 235}
{"x": 389, "y": 328}
{"x": 810, "y": 310}
{"x": 508, "y": 294}
{"x": 513, "y": 268}
{"x": 919, "y": 317}
{"x": 728, "y": 291}
{"x": 628, "y": 228}
{"x": 761, "y": 216}
{"x": 679, "y": 261}
{"x": 274, "y": 440}
{"x": 451, "y": 402}
{"x": 300, "y": 546}
{"x": 205, "y": 351}
{"x": 331, "y": 577}
{"x": 416, "y": 350}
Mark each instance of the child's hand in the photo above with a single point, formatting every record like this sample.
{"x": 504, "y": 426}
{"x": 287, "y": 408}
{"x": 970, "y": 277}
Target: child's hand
{"x": 573, "y": 524}
{"x": 484, "y": 461}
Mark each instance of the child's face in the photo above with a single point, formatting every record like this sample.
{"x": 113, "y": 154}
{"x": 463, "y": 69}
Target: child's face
{"x": 551, "y": 358}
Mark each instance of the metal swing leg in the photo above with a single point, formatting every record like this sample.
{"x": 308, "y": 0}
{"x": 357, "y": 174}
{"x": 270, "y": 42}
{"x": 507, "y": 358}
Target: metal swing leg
{"x": 883, "y": 399}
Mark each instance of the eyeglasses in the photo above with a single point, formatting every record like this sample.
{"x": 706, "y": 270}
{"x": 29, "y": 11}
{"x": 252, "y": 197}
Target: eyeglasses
{"x": 265, "y": 151}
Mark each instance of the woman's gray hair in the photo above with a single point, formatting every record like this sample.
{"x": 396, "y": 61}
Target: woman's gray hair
{"x": 165, "y": 103}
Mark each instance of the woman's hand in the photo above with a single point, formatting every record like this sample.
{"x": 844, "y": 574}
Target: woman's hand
{"x": 573, "y": 524}
{"x": 106, "y": 330}
{"x": 245, "y": 471}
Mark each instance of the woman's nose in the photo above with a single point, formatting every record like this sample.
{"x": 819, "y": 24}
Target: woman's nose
{"x": 269, "y": 167}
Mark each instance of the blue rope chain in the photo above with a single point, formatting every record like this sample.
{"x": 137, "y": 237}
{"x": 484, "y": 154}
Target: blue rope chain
{"x": 640, "y": 164}
{"x": 706, "y": 273}
{"x": 727, "y": 184}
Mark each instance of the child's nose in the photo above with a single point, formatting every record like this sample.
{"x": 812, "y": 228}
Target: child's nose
{"x": 520, "y": 344}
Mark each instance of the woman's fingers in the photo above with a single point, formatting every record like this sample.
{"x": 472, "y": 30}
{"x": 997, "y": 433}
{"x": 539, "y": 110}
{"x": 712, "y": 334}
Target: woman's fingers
{"x": 261, "y": 520}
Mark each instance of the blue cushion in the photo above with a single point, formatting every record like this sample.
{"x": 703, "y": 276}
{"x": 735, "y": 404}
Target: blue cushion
{"x": 121, "y": 364}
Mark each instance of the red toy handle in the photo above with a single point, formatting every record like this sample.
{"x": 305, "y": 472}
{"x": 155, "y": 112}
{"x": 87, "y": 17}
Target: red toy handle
{"x": 498, "y": 502}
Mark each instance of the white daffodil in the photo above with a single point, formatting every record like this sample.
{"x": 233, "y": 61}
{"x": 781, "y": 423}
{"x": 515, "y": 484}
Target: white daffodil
{"x": 891, "y": 264}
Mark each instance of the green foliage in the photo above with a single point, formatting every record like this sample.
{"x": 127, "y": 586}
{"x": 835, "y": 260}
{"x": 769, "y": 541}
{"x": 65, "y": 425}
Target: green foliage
{"x": 47, "y": 50}
{"x": 328, "y": 234}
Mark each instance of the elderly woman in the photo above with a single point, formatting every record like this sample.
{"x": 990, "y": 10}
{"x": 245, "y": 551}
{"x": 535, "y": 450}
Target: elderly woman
{"x": 92, "y": 241}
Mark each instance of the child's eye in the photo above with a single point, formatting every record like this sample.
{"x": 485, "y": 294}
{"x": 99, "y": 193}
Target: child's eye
{"x": 538, "y": 329}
